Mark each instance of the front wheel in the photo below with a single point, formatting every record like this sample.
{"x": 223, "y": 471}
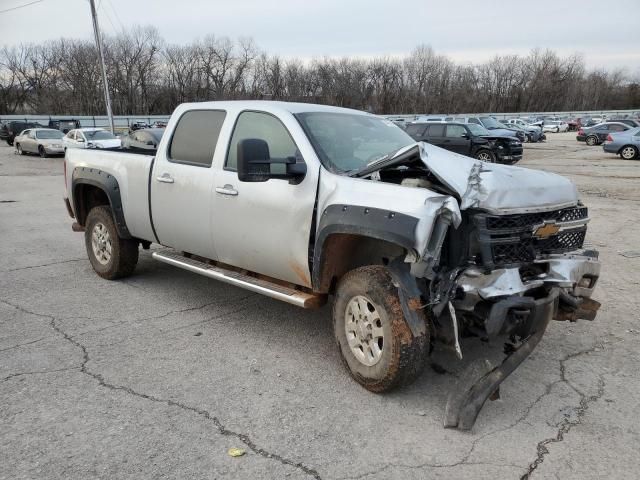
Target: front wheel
{"x": 486, "y": 156}
{"x": 592, "y": 140}
{"x": 111, "y": 256}
{"x": 42, "y": 151}
{"x": 629, "y": 152}
{"x": 375, "y": 342}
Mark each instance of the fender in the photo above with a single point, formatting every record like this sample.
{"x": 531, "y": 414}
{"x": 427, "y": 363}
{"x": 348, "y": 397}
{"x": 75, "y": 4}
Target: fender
{"x": 377, "y": 223}
{"x": 109, "y": 185}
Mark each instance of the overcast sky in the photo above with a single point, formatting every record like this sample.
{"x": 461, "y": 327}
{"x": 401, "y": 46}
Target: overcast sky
{"x": 606, "y": 33}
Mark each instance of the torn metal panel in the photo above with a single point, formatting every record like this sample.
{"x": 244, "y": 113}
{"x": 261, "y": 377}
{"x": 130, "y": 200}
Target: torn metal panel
{"x": 500, "y": 189}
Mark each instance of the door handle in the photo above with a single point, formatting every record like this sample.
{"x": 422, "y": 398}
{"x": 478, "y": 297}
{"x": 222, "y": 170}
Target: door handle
{"x": 165, "y": 178}
{"x": 227, "y": 190}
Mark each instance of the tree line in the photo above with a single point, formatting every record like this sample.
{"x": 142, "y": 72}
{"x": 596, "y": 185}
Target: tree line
{"x": 147, "y": 76}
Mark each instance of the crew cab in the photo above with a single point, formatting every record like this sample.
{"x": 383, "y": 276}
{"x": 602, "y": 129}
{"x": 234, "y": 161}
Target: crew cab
{"x": 302, "y": 203}
{"x": 468, "y": 139}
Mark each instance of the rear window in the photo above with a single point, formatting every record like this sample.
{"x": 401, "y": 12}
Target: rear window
{"x": 436, "y": 130}
{"x": 195, "y": 137}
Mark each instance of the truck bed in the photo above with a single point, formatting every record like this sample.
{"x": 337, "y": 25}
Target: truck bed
{"x": 132, "y": 171}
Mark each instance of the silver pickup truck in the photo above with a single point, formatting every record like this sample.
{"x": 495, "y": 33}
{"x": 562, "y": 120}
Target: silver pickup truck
{"x": 302, "y": 202}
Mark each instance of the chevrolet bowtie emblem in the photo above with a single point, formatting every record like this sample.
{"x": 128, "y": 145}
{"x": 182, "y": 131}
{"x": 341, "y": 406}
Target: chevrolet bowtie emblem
{"x": 546, "y": 230}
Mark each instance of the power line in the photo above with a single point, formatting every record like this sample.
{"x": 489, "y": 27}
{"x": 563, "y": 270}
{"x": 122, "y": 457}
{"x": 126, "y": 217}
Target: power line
{"x": 21, "y": 6}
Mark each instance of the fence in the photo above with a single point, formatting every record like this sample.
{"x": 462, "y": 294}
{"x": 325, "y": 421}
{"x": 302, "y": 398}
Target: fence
{"x": 122, "y": 122}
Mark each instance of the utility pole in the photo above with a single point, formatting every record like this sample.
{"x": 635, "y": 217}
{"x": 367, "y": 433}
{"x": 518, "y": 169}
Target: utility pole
{"x": 96, "y": 31}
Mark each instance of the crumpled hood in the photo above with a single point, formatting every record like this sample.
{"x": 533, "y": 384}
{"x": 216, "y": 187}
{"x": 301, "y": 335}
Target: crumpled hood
{"x": 500, "y": 189}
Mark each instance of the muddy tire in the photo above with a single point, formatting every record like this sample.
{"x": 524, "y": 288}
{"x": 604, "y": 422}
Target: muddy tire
{"x": 19, "y": 149}
{"x": 592, "y": 140}
{"x": 375, "y": 342}
{"x": 111, "y": 256}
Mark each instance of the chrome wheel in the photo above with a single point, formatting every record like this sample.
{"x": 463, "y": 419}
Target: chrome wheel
{"x": 628, "y": 153}
{"x": 363, "y": 328}
{"x": 101, "y": 243}
{"x": 484, "y": 156}
{"x": 591, "y": 141}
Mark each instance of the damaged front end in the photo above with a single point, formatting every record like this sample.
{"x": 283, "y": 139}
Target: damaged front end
{"x": 497, "y": 268}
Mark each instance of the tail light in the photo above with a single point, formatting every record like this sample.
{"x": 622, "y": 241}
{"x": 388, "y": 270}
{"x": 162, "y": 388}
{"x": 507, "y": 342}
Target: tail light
{"x": 64, "y": 167}
{"x": 609, "y": 138}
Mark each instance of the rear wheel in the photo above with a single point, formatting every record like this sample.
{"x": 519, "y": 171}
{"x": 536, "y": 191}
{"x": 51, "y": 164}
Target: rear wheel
{"x": 42, "y": 151}
{"x": 629, "y": 152}
{"x": 486, "y": 156}
{"x": 111, "y": 256}
{"x": 375, "y": 341}
{"x": 19, "y": 149}
{"x": 592, "y": 140}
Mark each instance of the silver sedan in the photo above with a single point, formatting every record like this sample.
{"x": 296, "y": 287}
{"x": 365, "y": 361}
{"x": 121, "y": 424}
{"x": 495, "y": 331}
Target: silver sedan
{"x": 43, "y": 141}
{"x": 626, "y": 144}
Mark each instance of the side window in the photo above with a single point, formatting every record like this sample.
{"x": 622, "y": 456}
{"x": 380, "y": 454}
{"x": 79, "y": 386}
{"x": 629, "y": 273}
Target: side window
{"x": 195, "y": 137}
{"x": 455, "y": 131}
{"x": 71, "y": 134}
{"x": 436, "y": 130}
{"x": 26, "y": 132}
{"x": 264, "y": 127}
{"x": 415, "y": 130}
{"x": 617, "y": 128}
{"x": 473, "y": 120}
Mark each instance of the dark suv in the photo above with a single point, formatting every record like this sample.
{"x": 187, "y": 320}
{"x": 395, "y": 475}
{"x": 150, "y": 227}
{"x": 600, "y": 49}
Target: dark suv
{"x": 10, "y": 130}
{"x": 468, "y": 139}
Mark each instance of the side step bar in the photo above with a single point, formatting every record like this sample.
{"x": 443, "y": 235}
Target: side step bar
{"x": 257, "y": 285}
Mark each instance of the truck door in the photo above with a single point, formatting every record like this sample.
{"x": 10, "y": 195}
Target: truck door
{"x": 265, "y": 227}
{"x": 182, "y": 183}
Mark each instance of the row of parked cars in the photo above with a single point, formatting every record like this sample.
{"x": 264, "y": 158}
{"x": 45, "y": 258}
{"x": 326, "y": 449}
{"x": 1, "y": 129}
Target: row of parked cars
{"x": 620, "y": 137}
{"x": 49, "y": 141}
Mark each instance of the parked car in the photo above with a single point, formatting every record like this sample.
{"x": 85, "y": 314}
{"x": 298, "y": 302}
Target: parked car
{"x": 43, "y": 141}
{"x": 64, "y": 125}
{"x": 90, "y": 138}
{"x": 146, "y": 139}
{"x": 159, "y": 124}
{"x": 468, "y": 139}
{"x": 304, "y": 202}
{"x": 626, "y": 144}
{"x": 627, "y": 121}
{"x": 598, "y": 133}
{"x": 522, "y": 123}
{"x": 9, "y": 130}
{"x": 493, "y": 125}
{"x": 532, "y": 134}
{"x": 555, "y": 126}
{"x": 138, "y": 125}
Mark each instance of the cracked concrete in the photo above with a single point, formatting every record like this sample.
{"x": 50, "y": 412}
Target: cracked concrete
{"x": 159, "y": 374}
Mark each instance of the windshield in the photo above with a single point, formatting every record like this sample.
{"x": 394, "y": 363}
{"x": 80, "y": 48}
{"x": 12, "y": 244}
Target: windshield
{"x": 347, "y": 142}
{"x": 98, "y": 135}
{"x": 491, "y": 122}
{"x": 478, "y": 129}
{"x": 49, "y": 134}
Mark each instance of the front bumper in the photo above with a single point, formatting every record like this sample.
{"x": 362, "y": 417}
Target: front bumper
{"x": 581, "y": 138}
{"x": 53, "y": 150}
{"x": 575, "y": 274}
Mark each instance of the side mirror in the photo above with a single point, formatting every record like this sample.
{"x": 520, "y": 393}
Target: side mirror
{"x": 254, "y": 163}
{"x": 149, "y": 142}
{"x": 465, "y": 135}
